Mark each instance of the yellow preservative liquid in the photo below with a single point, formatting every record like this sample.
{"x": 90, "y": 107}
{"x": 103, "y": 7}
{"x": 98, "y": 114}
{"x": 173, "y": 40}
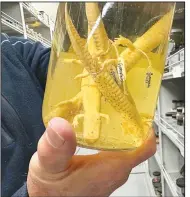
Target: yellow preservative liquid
{"x": 106, "y": 88}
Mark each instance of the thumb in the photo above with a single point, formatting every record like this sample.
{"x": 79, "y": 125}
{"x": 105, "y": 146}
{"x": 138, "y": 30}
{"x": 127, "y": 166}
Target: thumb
{"x": 57, "y": 146}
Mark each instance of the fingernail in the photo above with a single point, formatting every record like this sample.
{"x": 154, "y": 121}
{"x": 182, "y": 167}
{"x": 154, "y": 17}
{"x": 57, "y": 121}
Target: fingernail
{"x": 54, "y": 138}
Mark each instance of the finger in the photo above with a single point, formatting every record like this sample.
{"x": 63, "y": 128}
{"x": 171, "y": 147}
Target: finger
{"x": 146, "y": 150}
{"x": 111, "y": 169}
{"x": 57, "y": 146}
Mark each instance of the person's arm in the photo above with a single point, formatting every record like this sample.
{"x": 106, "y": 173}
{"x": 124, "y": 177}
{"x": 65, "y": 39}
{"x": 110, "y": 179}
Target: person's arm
{"x": 34, "y": 54}
{"x": 35, "y": 57}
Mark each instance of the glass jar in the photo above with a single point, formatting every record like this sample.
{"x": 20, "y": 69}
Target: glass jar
{"x": 156, "y": 174}
{"x": 180, "y": 182}
{"x": 105, "y": 69}
{"x": 182, "y": 171}
{"x": 180, "y": 115}
{"x": 177, "y": 36}
{"x": 180, "y": 124}
{"x": 168, "y": 118}
{"x": 176, "y": 104}
{"x": 158, "y": 191}
{"x": 157, "y": 185}
{"x": 156, "y": 180}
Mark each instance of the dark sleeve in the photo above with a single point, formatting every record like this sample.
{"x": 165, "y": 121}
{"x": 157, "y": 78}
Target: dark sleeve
{"x": 36, "y": 56}
{"x": 22, "y": 192}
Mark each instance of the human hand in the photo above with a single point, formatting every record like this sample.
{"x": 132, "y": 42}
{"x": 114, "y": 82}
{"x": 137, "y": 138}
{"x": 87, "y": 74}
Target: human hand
{"x": 54, "y": 171}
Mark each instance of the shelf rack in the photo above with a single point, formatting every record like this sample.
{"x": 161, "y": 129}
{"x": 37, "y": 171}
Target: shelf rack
{"x": 170, "y": 154}
{"x": 30, "y": 11}
{"x": 176, "y": 69}
{"x": 23, "y": 20}
{"x": 172, "y": 134}
{"x": 170, "y": 150}
{"x": 9, "y": 24}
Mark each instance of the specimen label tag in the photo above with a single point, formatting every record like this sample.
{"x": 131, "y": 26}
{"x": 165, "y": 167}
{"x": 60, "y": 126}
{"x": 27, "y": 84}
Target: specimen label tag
{"x": 148, "y": 79}
{"x": 121, "y": 70}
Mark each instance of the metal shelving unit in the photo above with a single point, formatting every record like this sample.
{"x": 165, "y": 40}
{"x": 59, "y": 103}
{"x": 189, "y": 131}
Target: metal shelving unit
{"x": 170, "y": 148}
{"x": 176, "y": 69}
{"x": 31, "y": 12}
{"x": 23, "y": 20}
{"x": 10, "y": 25}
